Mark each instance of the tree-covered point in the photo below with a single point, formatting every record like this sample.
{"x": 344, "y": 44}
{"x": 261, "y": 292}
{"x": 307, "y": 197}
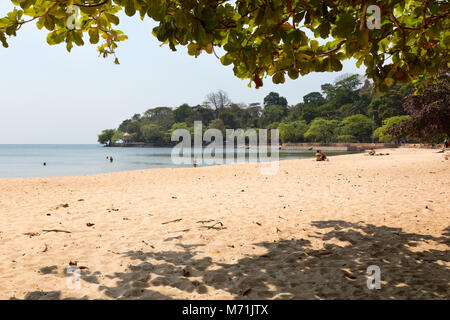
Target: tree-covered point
{"x": 344, "y": 111}
{"x": 276, "y": 38}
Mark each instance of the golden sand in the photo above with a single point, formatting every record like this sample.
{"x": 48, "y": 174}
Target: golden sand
{"x": 228, "y": 232}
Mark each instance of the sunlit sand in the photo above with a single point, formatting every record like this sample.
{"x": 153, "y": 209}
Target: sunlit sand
{"x": 228, "y": 232}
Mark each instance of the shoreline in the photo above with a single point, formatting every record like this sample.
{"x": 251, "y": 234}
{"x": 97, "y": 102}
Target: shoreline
{"x": 308, "y": 232}
{"x": 300, "y": 146}
{"x": 178, "y": 167}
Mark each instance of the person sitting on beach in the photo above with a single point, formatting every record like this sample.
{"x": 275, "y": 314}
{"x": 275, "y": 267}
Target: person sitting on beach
{"x": 372, "y": 152}
{"x": 320, "y": 156}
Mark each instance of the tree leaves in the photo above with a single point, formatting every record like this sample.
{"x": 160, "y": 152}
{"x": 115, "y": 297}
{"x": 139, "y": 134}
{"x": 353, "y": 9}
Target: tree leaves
{"x": 345, "y": 24}
{"x": 263, "y": 38}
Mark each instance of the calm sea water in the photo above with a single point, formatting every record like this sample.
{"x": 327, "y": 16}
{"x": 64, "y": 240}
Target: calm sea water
{"x": 74, "y": 160}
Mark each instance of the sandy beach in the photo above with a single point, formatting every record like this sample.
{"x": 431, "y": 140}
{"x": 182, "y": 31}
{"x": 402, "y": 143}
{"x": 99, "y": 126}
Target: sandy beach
{"x": 228, "y": 232}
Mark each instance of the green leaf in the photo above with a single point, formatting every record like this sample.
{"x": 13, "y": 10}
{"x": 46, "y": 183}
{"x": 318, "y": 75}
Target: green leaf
{"x": 49, "y": 23}
{"x": 193, "y": 49}
{"x": 3, "y": 40}
{"x": 210, "y": 18}
{"x": 78, "y": 38}
{"x": 226, "y": 59}
{"x": 4, "y": 22}
{"x": 112, "y": 18}
{"x": 278, "y": 77}
{"x": 94, "y": 37}
{"x": 314, "y": 45}
{"x": 344, "y": 26}
{"x": 324, "y": 30}
{"x": 130, "y": 9}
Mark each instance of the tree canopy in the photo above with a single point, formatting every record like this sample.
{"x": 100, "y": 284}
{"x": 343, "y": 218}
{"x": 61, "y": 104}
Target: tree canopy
{"x": 429, "y": 113}
{"x": 343, "y": 112}
{"x": 274, "y": 38}
{"x": 106, "y": 137}
{"x": 381, "y": 133}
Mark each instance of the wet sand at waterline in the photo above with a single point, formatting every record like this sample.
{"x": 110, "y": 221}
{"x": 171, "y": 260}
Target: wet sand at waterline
{"x": 228, "y": 232}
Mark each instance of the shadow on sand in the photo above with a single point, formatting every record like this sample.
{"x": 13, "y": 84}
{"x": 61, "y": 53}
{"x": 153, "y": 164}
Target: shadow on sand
{"x": 291, "y": 269}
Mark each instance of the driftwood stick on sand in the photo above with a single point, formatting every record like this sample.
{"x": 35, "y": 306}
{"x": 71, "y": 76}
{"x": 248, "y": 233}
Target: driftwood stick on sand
{"x": 173, "y": 221}
{"x": 56, "y": 230}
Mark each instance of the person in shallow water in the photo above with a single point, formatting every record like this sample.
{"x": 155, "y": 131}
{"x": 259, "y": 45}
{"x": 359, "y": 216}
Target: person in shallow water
{"x": 111, "y": 159}
{"x": 44, "y": 164}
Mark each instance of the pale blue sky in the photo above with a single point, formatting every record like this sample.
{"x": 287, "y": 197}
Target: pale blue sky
{"x": 48, "y": 95}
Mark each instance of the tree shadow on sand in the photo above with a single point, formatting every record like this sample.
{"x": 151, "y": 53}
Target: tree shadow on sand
{"x": 292, "y": 269}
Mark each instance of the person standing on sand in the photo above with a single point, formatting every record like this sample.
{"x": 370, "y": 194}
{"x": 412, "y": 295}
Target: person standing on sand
{"x": 446, "y": 143}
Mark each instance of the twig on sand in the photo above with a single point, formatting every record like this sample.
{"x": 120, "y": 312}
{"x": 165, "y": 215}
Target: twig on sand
{"x": 245, "y": 292}
{"x": 205, "y": 221}
{"x": 221, "y": 227}
{"x": 31, "y": 234}
{"x": 56, "y": 230}
{"x": 173, "y": 221}
{"x": 186, "y": 273}
{"x": 46, "y": 248}
{"x": 320, "y": 253}
{"x": 185, "y": 230}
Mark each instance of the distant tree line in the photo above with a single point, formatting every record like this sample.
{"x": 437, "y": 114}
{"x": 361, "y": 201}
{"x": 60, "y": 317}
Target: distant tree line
{"x": 345, "y": 111}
